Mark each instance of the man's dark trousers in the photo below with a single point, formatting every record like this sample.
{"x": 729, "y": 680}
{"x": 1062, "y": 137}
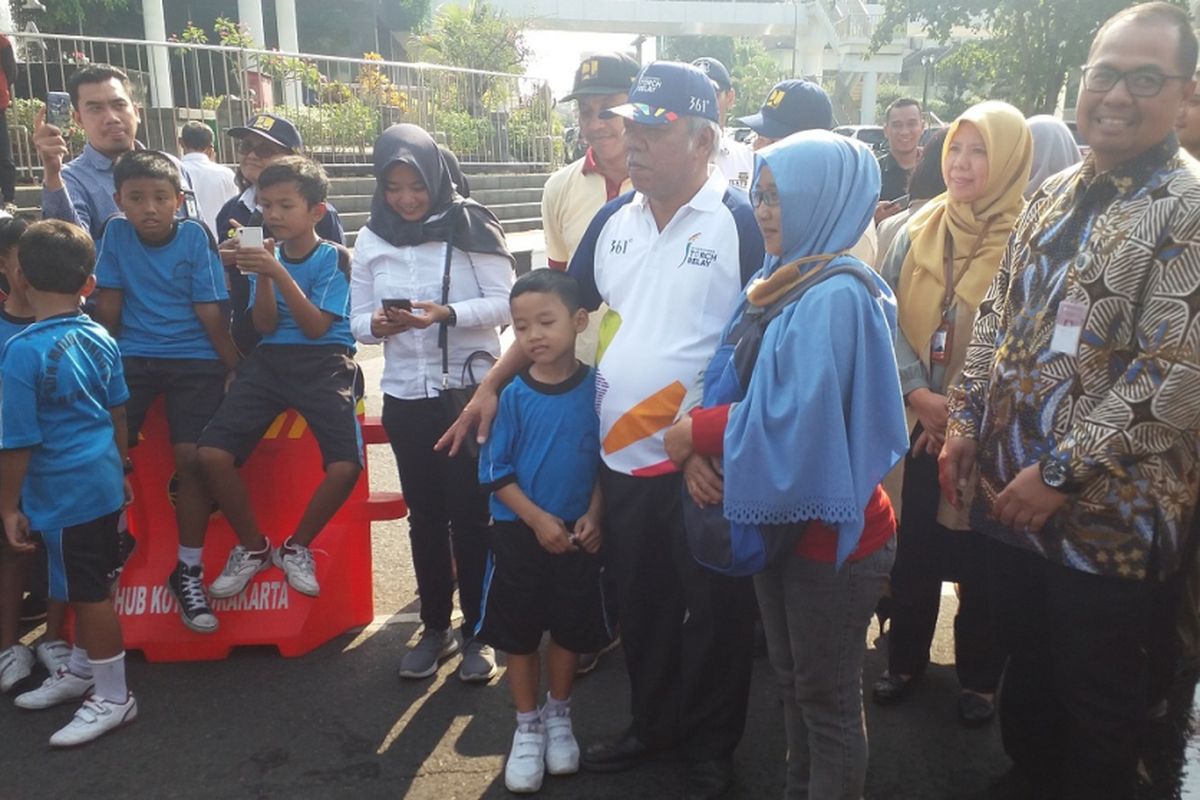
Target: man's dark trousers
{"x": 687, "y": 632}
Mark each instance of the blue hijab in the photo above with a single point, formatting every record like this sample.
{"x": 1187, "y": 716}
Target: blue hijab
{"x": 822, "y": 421}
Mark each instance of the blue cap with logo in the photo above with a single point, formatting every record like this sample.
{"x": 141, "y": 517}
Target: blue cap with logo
{"x": 791, "y": 107}
{"x": 667, "y": 90}
{"x": 272, "y": 128}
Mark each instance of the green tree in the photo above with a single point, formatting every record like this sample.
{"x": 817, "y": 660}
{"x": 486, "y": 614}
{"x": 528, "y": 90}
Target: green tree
{"x": 1035, "y": 45}
{"x": 475, "y": 36}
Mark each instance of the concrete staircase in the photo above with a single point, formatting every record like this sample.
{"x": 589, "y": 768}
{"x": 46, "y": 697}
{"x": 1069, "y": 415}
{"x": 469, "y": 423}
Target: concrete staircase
{"x": 516, "y": 198}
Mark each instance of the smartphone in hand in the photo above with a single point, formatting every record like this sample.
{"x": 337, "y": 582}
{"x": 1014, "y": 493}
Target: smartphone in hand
{"x": 401, "y": 304}
{"x": 58, "y": 109}
{"x": 250, "y": 236}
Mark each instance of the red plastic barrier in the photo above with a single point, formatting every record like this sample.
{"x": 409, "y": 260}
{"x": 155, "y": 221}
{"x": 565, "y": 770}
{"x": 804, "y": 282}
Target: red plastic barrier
{"x": 281, "y": 475}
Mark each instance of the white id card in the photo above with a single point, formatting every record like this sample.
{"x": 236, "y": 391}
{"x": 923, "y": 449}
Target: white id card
{"x": 1068, "y": 326}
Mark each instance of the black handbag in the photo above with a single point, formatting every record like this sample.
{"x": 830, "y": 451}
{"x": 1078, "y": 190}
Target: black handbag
{"x": 454, "y": 400}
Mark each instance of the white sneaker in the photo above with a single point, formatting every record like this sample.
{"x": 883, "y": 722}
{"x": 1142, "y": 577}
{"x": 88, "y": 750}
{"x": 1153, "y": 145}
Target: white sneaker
{"x": 562, "y": 751}
{"x": 297, "y": 564}
{"x": 526, "y": 765}
{"x": 240, "y": 569}
{"x": 95, "y": 718}
{"x": 16, "y": 663}
{"x": 53, "y": 654}
{"x": 62, "y": 686}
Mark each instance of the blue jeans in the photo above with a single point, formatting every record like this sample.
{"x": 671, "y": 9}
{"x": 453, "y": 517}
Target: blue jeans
{"x": 816, "y": 619}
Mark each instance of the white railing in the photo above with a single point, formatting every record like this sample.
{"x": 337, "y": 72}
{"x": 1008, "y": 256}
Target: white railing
{"x": 339, "y": 104}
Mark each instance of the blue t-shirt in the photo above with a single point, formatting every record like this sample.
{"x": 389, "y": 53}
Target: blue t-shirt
{"x": 10, "y": 326}
{"x": 58, "y": 380}
{"x": 161, "y": 283}
{"x": 324, "y": 277}
{"x": 546, "y": 438}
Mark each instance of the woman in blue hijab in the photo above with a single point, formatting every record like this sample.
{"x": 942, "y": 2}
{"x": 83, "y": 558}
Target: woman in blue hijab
{"x": 805, "y": 445}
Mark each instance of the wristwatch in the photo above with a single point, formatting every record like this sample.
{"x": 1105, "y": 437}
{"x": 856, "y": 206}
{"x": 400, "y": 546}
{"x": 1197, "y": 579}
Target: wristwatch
{"x": 452, "y": 319}
{"x": 1056, "y": 474}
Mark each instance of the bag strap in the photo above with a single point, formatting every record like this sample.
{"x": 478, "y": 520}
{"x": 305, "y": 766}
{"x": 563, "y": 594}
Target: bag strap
{"x": 444, "y": 329}
{"x": 750, "y": 336}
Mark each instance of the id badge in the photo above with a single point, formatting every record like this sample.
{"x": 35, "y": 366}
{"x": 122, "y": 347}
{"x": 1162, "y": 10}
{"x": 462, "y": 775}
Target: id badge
{"x": 941, "y": 342}
{"x": 1068, "y": 326}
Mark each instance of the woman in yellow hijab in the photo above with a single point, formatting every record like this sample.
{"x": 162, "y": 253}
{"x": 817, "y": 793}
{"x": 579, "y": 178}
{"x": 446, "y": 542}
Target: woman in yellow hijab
{"x": 939, "y": 268}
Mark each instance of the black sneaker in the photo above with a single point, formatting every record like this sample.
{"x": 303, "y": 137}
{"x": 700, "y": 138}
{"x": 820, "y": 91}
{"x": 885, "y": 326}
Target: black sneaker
{"x": 186, "y": 585}
{"x": 33, "y": 608}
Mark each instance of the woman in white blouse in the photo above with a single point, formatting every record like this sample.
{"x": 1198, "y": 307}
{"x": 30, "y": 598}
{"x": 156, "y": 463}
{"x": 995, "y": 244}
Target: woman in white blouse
{"x": 417, "y": 218}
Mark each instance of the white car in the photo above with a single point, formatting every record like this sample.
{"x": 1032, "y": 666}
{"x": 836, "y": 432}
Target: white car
{"x": 871, "y": 135}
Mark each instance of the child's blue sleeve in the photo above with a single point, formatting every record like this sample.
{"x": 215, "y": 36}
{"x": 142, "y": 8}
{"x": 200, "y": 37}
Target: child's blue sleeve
{"x": 19, "y": 369}
{"x": 496, "y": 467}
{"x": 331, "y": 290}
{"x": 208, "y": 276}
{"x": 117, "y": 392}
{"x": 108, "y": 266}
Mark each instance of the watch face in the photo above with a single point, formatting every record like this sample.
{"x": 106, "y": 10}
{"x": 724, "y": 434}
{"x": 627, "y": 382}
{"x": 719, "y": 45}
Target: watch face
{"x": 1054, "y": 474}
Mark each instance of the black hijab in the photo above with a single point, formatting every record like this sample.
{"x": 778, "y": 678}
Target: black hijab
{"x": 468, "y": 225}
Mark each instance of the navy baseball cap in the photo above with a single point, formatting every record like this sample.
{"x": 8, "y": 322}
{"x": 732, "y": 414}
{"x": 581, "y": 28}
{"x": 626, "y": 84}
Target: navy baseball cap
{"x": 273, "y": 129}
{"x": 716, "y": 72}
{"x": 604, "y": 73}
{"x": 791, "y": 107}
{"x": 665, "y": 91}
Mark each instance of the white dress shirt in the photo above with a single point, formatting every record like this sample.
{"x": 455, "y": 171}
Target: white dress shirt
{"x": 479, "y": 288}
{"x": 213, "y": 184}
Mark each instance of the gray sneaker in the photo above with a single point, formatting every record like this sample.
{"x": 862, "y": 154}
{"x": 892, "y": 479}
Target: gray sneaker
{"x": 430, "y": 650}
{"x": 478, "y": 662}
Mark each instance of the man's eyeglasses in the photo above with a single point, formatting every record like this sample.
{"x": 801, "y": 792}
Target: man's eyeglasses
{"x": 1139, "y": 82}
{"x": 261, "y": 148}
{"x": 769, "y": 198}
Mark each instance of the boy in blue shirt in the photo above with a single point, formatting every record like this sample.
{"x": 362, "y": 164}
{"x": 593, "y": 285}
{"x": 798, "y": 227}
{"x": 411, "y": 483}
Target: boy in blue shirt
{"x": 62, "y": 450}
{"x": 300, "y": 303}
{"x": 162, "y": 295}
{"x": 540, "y": 462}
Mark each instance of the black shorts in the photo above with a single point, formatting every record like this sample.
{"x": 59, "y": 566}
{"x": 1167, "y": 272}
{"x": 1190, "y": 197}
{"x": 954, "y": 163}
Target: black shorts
{"x": 81, "y": 558}
{"x": 318, "y": 381}
{"x": 528, "y": 591}
{"x": 194, "y": 389}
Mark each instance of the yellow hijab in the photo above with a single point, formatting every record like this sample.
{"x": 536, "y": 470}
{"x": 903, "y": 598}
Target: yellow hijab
{"x": 922, "y": 277}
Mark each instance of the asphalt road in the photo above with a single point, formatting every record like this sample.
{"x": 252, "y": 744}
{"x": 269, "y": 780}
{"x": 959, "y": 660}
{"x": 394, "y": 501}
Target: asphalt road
{"x": 339, "y": 723}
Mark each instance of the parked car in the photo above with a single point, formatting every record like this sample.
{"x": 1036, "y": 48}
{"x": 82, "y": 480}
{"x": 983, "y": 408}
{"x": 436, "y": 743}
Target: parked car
{"x": 868, "y": 134}
{"x": 1084, "y": 149}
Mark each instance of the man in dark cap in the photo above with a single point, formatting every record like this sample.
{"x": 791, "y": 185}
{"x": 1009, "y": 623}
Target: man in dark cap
{"x": 792, "y": 106}
{"x": 574, "y": 194}
{"x": 734, "y": 159}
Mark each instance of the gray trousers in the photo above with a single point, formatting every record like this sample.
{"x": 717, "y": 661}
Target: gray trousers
{"x": 816, "y": 622}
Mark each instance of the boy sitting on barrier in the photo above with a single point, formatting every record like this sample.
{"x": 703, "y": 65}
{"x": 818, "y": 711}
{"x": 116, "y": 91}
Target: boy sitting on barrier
{"x": 300, "y": 298}
{"x": 62, "y": 448}
{"x": 540, "y": 462}
{"x": 162, "y": 295}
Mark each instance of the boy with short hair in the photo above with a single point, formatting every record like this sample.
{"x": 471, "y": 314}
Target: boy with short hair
{"x": 162, "y": 295}
{"x": 541, "y": 464}
{"x": 300, "y": 290}
{"x": 62, "y": 449}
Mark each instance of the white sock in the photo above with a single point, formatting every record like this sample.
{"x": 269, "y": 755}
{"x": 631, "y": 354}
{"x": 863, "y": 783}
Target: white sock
{"x": 190, "y": 556}
{"x": 78, "y": 664}
{"x": 556, "y": 708}
{"x": 110, "y": 678}
{"x": 529, "y": 719}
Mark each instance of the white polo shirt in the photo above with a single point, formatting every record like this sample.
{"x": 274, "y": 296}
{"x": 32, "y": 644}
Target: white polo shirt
{"x": 675, "y": 290}
{"x": 736, "y": 160}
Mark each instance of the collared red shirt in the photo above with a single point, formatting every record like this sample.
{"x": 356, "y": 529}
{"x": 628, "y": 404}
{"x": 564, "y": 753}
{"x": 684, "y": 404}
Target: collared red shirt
{"x": 674, "y": 290}
{"x": 1123, "y": 412}
{"x": 213, "y": 183}
{"x": 570, "y": 198}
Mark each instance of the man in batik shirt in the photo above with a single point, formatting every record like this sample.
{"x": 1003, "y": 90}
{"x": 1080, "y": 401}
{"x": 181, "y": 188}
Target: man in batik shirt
{"x": 1079, "y": 406}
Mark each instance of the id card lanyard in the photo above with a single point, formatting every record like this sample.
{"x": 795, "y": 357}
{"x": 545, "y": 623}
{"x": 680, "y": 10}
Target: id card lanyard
{"x": 941, "y": 343}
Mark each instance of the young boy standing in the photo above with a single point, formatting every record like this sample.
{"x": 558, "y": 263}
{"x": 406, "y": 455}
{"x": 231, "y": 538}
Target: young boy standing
{"x": 540, "y": 462}
{"x": 62, "y": 450}
{"x": 162, "y": 289}
{"x": 300, "y": 304}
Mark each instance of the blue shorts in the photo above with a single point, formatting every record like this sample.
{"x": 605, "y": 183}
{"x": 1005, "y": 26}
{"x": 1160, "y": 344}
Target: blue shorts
{"x": 81, "y": 558}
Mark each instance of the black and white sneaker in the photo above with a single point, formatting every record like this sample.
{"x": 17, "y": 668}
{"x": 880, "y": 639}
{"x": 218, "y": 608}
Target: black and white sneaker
{"x": 187, "y": 586}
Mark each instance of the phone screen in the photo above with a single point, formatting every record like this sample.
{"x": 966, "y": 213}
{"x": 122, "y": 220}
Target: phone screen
{"x": 403, "y": 304}
{"x": 58, "y": 109}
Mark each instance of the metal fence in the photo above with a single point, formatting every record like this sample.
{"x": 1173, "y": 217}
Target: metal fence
{"x": 340, "y": 105}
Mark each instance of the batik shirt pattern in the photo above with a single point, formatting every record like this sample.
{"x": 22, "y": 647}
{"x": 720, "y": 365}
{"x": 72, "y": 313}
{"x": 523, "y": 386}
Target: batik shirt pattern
{"x": 1122, "y": 412}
